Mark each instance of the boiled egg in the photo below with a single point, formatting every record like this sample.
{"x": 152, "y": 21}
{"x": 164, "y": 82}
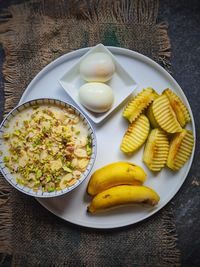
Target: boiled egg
{"x": 97, "y": 67}
{"x": 95, "y": 96}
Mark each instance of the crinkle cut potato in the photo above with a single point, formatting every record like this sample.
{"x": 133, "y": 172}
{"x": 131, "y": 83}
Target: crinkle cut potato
{"x": 139, "y": 103}
{"x": 167, "y": 115}
{"x": 156, "y": 150}
{"x": 180, "y": 149}
{"x": 178, "y": 107}
{"x": 135, "y": 135}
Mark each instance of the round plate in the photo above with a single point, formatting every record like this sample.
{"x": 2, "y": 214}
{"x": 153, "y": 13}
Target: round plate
{"x": 72, "y": 207}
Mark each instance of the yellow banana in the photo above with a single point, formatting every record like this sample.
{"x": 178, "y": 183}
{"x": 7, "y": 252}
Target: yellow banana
{"x": 121, "y": 195}
{"x": 117, "y": 173}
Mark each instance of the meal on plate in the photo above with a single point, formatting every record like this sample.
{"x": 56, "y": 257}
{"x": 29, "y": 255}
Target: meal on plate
{"x": 117, "y": 184}
{"x": 168, "y": 143}
{"x": 96, "y": 69}
{"x": 47, "y": 147}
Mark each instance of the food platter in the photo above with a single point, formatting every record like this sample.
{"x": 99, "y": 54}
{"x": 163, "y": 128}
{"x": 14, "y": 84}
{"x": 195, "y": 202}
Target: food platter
{"x": 72, "y": 207}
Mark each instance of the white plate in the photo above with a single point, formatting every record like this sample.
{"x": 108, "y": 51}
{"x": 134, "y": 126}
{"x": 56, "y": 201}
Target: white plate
{"x": 72, "y": 207}
{"x": 121, "y": 82}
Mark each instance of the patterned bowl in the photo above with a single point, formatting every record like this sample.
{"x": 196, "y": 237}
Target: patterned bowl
{"x": 15, "y": 113}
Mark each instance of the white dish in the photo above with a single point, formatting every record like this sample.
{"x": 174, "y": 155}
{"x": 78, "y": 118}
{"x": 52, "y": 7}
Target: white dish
{"x": 15, "y": 113}
{"x": 72, "y": 207}
{"x": 121, "y": 82}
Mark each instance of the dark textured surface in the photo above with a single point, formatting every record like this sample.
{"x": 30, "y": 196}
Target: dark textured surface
{"x": 184, "y": 20}
{"x": 2, "y": 57}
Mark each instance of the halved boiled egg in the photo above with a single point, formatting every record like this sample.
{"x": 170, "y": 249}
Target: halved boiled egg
{"x": 97, "y": 67}
{"x": 95, "y": 96}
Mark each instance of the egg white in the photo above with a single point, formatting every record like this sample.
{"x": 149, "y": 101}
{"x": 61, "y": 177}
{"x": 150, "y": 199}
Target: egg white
{"x": 96, "y": 97}
{"x": 97, "y": 67}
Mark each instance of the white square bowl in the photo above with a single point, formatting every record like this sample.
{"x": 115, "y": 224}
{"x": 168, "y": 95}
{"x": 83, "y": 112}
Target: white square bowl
{"x": 121, "y": 83}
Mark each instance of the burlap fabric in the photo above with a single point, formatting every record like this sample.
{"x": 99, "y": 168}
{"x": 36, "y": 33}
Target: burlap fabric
{"x": 33, "y": 34}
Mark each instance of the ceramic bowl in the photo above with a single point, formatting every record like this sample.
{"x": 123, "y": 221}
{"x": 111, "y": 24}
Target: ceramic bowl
{"x": 16, "y": 112}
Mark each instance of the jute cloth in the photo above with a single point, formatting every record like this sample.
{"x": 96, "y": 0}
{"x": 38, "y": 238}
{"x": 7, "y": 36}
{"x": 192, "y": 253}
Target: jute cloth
{"x": 33, "y": 34}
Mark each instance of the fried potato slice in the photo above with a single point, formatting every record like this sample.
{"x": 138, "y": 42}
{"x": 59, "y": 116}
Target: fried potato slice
{"x": 156, "y": 150}
{"x": 180, "y": 149}
{"x": 178, "y": 107}
{"x": 164, "y": 115}
{"x": 137, "y": 105}
{"x": 151, "y": 117}
{"x": 135, "y": 135}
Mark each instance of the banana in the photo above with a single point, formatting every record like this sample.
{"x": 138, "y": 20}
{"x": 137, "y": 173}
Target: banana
{"x": 117, "y": 173}
{"x": 121, "y": 195}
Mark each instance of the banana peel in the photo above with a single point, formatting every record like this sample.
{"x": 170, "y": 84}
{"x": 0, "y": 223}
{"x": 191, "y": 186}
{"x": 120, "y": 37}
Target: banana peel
{"x": 117, "y": 173}
{"x": 122, "y": 195}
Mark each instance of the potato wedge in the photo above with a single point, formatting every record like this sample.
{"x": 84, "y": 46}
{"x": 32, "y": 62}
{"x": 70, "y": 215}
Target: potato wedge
{"x": 180, "y": 149}
{"x": 165, "y": 116}
{"x": 137, "y": 105}
{"x": 151, "y": 117}
{"x": 178, "y": 107}
{"x": 156, "y": 150}
{"x": 135, "y": 135}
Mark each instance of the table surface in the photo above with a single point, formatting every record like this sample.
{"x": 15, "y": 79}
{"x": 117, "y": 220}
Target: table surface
{"x": 183, "y": 18}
